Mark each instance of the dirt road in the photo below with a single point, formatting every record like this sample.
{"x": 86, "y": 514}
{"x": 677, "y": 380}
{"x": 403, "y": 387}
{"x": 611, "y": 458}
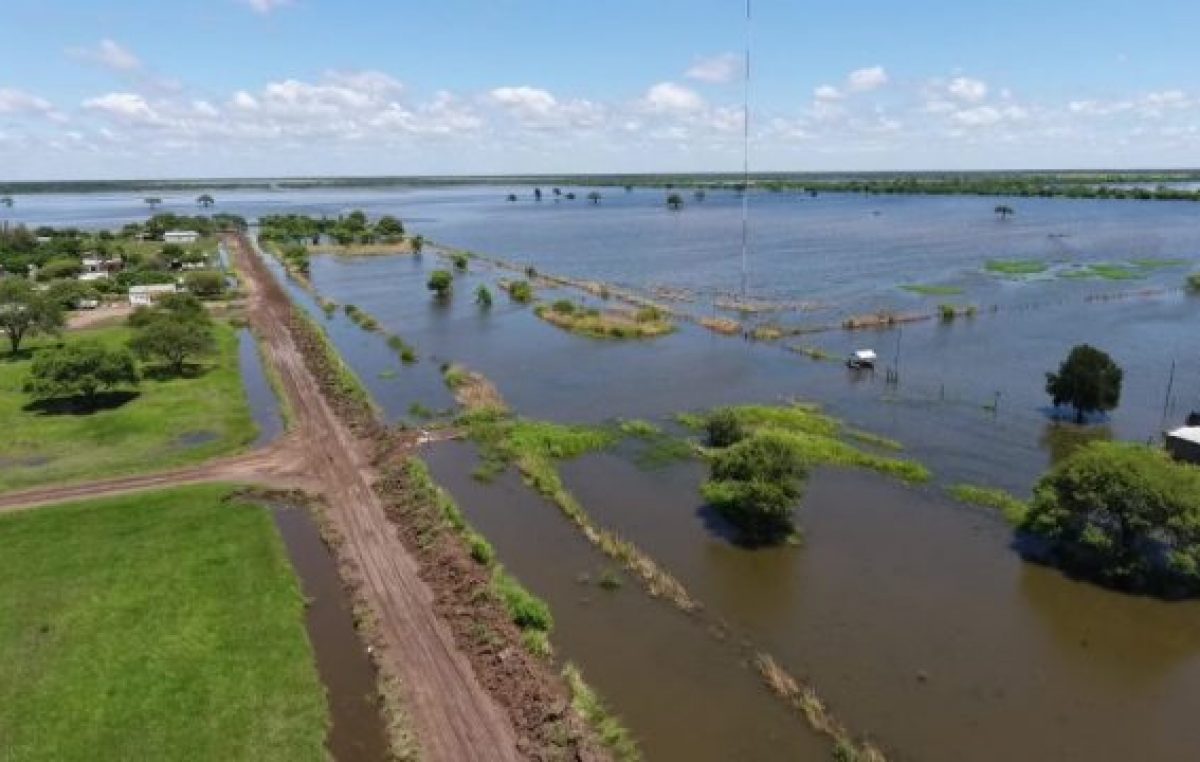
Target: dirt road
{"x": 451, "y": 713}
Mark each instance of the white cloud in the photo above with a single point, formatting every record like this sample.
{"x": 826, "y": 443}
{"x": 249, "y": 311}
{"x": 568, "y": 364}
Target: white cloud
{"x": 265, "y": 7}
{"x": 716, "y": 69}
{"x": 987, "y": 116}
{"x": 827, "y": 93}
{"x": 20, "y": 102}
{"x": 126, "y": 107}
{"x": 109, "y": 54}
{"x": 868, "y": 79}
{"x": 668, "y": 97}
{"x": 244, "y": 101}
{"x": 530, "y": 101}
{"x": 967, "y": 89}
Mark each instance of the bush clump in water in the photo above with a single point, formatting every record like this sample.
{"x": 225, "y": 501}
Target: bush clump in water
{"x": 755, "y": 483}
{"x": 520, "y": 291}
{"x": 723, "y": 428}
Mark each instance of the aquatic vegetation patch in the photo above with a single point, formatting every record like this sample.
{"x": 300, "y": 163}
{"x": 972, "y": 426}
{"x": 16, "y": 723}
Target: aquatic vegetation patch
{"x": 1157, "y": 263}
{"x": 645, "y": 322}
{"x": 931, "y": 290}
{"x": 1013, "y": 509}
{"x": 1016, "y": 267}
{"x": 949, "y": 312}
{"x": 473, "y": 391}
{"x": 803, "y": 699}
{"x": 535, "y": 447}
{"x": 722, "y": 325}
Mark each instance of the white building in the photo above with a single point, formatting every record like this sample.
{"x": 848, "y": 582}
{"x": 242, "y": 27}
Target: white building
{"x": 181, "y": 236}
{"x": 91, "y": 275}
{"x": 144, "y": 296}
{"x": 1184, "y": 444}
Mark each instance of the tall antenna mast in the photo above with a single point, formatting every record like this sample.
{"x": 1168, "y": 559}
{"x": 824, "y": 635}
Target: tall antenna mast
{"x": 746, "y": 161}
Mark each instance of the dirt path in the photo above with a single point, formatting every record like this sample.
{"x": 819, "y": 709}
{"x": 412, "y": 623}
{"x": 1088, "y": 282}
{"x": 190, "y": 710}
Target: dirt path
{"x": 280, "y": 466}
{"x": 453, "y": 715}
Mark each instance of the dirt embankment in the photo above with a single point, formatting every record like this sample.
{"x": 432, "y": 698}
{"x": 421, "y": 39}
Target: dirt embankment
{"x": 468, "y": 697}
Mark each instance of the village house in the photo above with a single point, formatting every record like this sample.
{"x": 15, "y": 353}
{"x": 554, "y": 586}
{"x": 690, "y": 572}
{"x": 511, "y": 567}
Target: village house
{"x": 145, "y": 296}
{"x": 181, "y": 236}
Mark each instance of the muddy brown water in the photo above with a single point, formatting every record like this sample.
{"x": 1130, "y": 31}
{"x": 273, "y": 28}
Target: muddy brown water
{"x": 685, "y": 694}
{"x": 356, "y": 733}
{"x": 919, "y": 624}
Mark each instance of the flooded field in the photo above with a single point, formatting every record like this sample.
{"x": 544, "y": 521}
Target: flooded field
{"x": 911, "y": 614}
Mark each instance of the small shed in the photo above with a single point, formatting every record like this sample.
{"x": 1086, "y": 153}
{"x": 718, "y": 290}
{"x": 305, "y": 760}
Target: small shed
{"x": 144, "y": 296}
{"x": 1184, "y": 444}
{"x": 181, "y": 236}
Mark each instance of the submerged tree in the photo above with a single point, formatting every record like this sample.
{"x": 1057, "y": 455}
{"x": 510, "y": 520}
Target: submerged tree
{"x": 205, "y": 200}
{"x": 440, "y": 283}
{"x": 537, "y": 194}
{"x": 24, "y": 311}
{"x": 417, "y": 242}
{"x": 1123, "y": 514}
{"x": 152, "y": 202}
{"x": 512, "y": 197}
{"x": 1088, "y": 380}
{"x": 755, "y": 483}
{"x": 1003, "y": 211}
{"x": 699, "y": 195}
{"x": 6, "y": 201}
{"x": 674, "y": 202}
{"x": 81, "y": 369}
{"x": 483, "y": 297}
{"x": 594, "y": 197}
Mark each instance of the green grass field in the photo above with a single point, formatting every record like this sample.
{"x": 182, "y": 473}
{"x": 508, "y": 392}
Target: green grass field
{"x": 162, "y": 626}
{"x": 171, "y": 422}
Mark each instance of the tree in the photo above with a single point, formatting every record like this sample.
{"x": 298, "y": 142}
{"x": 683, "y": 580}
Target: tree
{"x": 152, "y": 202}
{"x": 674, "y": 202}
{"x": 440, "y": 283}
{"x": 389, "y": 227}
{"x": 512, "y": 197}
{"x": 557, "y": 191}
{"x": 754, "y": 483}
{"x": 6, "y": 201}
{"x": 1003, "y": 211}
{"x": 417, "y": 242}
{"x": 1088, "y": 380}
{"x": 174, "y": 331}
{"x": 205, "y": 200}
{"x": 80, "y": 369}
{"x": 1124, "y": 514}
{"x": 699, "y": 195}
{"x": 26, "y": 312}
{"x": 483, "y": 297}
{"x": 67, "y": 294}
{"x": 537, "y": 194}
{"x": 594, "y": 197}
{"x": 56, "y": 269}
{"x": 460, "y": 261}
{"x": 205, "y": 283}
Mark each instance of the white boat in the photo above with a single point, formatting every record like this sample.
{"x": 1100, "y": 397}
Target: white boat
{"x": 862, "y": 358}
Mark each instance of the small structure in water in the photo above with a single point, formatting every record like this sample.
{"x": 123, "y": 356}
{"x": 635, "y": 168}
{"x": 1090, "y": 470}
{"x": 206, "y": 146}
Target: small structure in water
{"x": 1184, "y": 443}
{"x": 862, "y": 358}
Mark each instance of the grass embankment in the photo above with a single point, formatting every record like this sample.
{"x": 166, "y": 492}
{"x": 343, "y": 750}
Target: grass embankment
{"x": 644, "y": 323}
{"x": 370, "y": 324}
{"x": 502, "y": 611}
{"x": 166, "y": 625}
{"x": 931, "y": 290}
{"x": 1015, "y": 268}
{"x": 535, "y": 448}
{"x": 170, "y": 422}
{"x": 1011, "y": 508}
{"x": 819, "y": 439}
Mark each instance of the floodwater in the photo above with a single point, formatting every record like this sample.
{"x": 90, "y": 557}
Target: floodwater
{"x": 910, "y": 613}
{"x": 356, "y": 733}
{"x": 264, "y": 405}
{"x": 685, "y": 694}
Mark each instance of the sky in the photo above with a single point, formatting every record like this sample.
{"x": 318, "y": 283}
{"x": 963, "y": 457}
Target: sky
{"x": 117, "y": 89}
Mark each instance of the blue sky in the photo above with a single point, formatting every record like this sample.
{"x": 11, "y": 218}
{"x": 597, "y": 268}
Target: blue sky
{"x": 292, "y": 87}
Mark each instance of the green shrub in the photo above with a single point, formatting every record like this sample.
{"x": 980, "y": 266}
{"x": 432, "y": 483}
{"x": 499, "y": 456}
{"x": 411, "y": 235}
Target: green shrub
{"x": 440, "y": 283}
{"x": 481, "y": 549}
{"x": 520, "y": 291}
{"x": 483, "y": 297}
{"x": 460, "y": 261}
{"x": 723, "y": 428}
{"x": 563, "y": 307}
{"x": 526, "y": 610}
{"x": 648, "y": 314}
